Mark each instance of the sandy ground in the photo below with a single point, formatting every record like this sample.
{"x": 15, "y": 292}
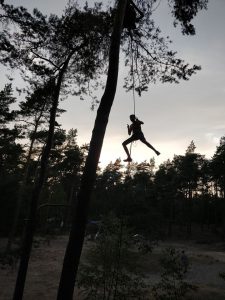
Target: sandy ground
{"x": 207, "y": 261}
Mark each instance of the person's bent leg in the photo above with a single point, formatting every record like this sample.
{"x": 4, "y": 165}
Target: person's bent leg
{"x": 125, "y": 143}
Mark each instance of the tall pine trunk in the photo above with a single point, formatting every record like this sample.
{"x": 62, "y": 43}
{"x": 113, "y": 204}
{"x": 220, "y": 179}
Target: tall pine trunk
{"x": 76, "y": 238}
{"x": 31, "y": 221}
{"x": 23, "y": 184}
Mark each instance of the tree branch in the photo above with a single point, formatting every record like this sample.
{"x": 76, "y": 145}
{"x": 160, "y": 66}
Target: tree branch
{"x": 46, "y": 59}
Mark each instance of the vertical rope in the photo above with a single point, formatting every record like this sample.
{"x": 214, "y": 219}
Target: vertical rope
{"x": 133, "y": 83}
{"x": 132, "y": 71}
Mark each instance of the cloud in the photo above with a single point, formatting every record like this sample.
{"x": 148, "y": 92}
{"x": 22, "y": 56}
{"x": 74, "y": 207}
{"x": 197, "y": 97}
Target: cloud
{"x": 211, "y": 137}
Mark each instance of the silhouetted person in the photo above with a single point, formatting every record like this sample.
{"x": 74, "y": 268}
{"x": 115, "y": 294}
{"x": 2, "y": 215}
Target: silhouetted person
{"x": 137, "y": 134}
{"x": 130, "y": 17}
{"x": 184, "y": 261}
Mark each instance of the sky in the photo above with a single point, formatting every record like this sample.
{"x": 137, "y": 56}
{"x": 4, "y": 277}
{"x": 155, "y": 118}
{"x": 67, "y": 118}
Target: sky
{"x": 173, "y": 114}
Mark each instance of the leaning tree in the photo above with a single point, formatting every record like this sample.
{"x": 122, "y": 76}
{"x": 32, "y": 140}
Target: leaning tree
{"x": 152, "y": 60}
{"x": 32, "y": 116}
{"x": 62, "y": 52}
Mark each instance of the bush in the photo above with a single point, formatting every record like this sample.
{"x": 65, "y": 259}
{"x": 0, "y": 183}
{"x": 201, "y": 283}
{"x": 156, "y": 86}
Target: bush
{"x": 109, "y": 274}
{"x": 172, "y": 285}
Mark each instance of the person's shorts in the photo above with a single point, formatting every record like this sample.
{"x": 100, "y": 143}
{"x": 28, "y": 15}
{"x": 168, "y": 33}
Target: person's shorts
{"x": 135, "y": 137}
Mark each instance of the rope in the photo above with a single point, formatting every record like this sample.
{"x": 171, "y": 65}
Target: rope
{"x": 132, "y": 71}
{"x": 133, "y": 85}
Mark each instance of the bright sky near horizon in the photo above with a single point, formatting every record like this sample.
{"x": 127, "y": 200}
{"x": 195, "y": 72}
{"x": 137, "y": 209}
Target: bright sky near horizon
{"x": 173, "y": 114}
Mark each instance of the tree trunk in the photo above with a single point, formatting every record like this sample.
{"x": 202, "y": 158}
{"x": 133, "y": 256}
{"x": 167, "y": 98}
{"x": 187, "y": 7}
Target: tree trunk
{"x": 171, "y": 216}
{"x": 76, "y": 238}
{"x": 22, "y": 187}
{"x": 190, "y": 204}
{"x": 71, "y": 206}
{"x": 31, "y": 222}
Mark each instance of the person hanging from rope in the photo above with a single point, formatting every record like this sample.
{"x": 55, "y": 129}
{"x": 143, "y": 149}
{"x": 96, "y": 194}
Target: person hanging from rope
{"x": 130, "y": 17}
{"x": 137, "y": 134}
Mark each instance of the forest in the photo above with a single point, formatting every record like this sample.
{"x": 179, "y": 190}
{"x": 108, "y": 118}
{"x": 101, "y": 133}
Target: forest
{"x": 185, "y": 192}
{"x": 51, "y": 187}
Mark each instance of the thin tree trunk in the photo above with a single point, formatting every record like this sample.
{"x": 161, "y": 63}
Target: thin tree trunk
{"x": 76, "y": 238}
{"x": 118, "y": 261}
{"x": 31, "y": 222}
{"x": 22, "y": 187}
{"x": 190, "y": 204}
{"x": 171, "y": 217}
{"x": 216, "y": 208}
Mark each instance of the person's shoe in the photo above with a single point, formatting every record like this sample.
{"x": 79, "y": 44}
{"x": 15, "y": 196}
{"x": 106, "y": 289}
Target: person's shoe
{"x": 157, "y": 152}
{"x": 129, "y": 159}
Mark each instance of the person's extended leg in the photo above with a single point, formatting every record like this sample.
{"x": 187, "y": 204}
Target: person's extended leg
{"x": 149, "y": 145}
{"x": 125, "y": 143}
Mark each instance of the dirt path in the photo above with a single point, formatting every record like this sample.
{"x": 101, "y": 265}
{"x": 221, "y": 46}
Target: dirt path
{"x": 46, "y": 263}
{"x": 43, "y": 273}
{"x": 206, "y": 261}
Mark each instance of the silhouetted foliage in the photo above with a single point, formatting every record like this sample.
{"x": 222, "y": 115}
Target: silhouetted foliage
{"x": 11, "y": 153}
{"x": 172, "y": 285}
{"x": 71, "y": 51}
{"x": 110, "y": 272}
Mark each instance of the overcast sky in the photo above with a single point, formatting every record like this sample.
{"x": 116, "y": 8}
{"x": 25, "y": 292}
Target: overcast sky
{"x": 173, "y": 114}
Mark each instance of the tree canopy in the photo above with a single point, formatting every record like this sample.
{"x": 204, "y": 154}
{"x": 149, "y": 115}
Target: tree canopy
{"x": 69, "y": 54}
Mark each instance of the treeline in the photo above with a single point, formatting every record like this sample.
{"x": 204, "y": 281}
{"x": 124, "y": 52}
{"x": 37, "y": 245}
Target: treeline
{"x": 23, "y": 136}
{"x": 179, "y": 194}
{"x": 41, "y": 165}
